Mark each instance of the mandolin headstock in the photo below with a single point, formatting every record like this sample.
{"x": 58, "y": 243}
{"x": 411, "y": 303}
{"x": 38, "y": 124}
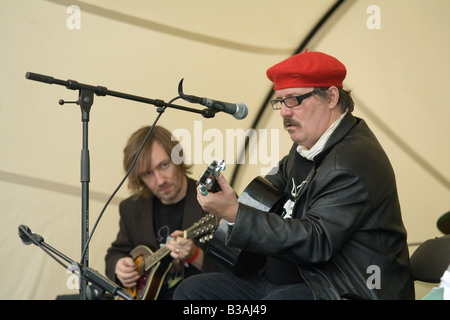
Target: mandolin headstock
{"x": 202, "y": 229}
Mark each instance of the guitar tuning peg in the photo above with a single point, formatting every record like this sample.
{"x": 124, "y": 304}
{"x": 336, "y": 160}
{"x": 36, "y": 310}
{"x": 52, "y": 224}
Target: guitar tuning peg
{"x": 203, "y": 190}
{"x": 220, "y": 166}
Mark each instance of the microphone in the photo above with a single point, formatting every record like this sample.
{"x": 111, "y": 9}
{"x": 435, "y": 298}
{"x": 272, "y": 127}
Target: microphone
{"x": 443, "y": 223}
{"x": 238, "y": 110}
{"x": 27, "y": 236}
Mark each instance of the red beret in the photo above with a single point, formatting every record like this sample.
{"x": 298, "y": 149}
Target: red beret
{"x": 307, "y": 69}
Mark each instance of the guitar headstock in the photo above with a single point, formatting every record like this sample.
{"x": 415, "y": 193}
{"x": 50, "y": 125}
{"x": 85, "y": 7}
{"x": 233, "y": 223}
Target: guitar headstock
{"x": 207, "y": 181}
{"x": 204, "y": 227}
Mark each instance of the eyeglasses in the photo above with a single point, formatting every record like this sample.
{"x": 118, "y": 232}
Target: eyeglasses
{"x": 290, "y": 102}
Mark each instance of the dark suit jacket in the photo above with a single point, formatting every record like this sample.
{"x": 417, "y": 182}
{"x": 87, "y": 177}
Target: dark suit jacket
{"x": 137, "y": 228}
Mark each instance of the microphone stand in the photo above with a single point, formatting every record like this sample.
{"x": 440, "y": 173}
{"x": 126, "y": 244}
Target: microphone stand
{"x": 100, "y": 284}
{"x": 86, "y": 100}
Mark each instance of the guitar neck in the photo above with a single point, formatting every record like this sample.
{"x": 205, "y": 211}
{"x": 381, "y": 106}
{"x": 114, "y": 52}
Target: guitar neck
{"x": 157, "y": 256}
{"x": 201, "y": 227}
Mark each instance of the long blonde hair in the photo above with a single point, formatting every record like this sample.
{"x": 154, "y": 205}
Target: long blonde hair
{"x": 160, "y": 135}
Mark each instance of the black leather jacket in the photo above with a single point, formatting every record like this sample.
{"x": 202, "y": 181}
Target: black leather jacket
{"x": 346, "y": 236}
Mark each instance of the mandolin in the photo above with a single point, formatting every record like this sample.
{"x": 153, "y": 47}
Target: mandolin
{"x": 152, "y": 267}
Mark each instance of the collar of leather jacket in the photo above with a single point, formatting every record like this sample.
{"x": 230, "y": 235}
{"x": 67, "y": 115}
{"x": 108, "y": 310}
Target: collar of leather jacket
{"x": 341, "y": 131}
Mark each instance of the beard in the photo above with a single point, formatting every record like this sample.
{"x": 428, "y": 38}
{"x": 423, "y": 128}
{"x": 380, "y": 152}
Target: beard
{"x": 168, "y": 192}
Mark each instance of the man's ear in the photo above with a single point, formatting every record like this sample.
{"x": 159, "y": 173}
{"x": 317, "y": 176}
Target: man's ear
{"x": 333, "y": 97}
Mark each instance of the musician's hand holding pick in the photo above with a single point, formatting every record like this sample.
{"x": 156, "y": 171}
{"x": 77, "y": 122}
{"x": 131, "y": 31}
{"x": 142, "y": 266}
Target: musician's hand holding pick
{"x": 126, "y": 272}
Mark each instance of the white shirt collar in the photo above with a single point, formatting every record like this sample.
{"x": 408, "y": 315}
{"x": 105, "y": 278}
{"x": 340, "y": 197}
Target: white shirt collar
{"x": 320, "y": 144}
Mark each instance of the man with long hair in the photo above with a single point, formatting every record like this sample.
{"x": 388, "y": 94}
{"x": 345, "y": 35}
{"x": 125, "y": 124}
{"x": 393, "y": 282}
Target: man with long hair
{"x": 163, "y": 203}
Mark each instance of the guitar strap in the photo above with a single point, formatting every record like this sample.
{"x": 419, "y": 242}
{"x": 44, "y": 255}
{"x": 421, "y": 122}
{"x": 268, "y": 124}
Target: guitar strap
{"x": 302, "y": 188}
{"x": 290, "y": 170}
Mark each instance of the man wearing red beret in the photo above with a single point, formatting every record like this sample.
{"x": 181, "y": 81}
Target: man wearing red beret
{"x": 341, "y": 234}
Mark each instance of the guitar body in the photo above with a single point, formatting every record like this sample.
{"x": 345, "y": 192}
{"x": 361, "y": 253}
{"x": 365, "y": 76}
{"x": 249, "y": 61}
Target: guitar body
{"x": 262, "y": 195}
{"x": 149, "y": 285}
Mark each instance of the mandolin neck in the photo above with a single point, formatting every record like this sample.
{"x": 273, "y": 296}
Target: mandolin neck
{"x": 157, "y": 256}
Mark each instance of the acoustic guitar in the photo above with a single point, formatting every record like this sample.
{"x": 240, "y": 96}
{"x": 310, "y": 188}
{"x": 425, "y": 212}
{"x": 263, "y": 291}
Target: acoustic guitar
{"x": 151, "y": 266}
{"x": 259, "y": 194}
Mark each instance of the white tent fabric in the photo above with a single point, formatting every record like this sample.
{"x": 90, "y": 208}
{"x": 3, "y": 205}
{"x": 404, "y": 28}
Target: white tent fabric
{"x": 396, "y": 54}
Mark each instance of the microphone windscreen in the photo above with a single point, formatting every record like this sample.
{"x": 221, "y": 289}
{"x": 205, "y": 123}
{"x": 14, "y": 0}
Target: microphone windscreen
{"x": 241, "y": 111}
{"x": 443, "y": 223}
{"x": 24, "y": 231}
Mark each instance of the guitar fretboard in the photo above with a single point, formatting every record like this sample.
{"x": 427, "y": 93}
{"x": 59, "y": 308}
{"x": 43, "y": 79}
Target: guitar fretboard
{"x": 150, "y": 261}
{"x": 196, "y": 230}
